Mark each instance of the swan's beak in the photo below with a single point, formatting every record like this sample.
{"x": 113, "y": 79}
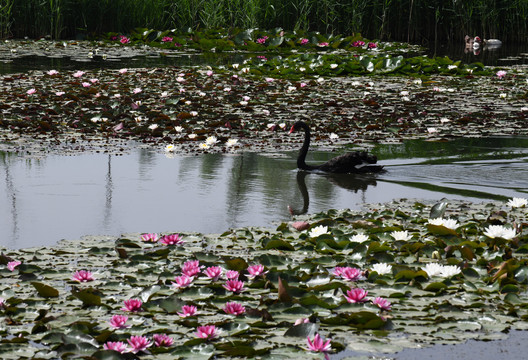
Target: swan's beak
{"x": 292, "y": 129}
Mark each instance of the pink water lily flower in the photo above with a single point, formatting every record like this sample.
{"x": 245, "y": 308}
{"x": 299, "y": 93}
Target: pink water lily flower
{"x": 173, "y": 239}
{"x": 119, "y": 321}
{"x": 191, "y": 268}
{"x": 304, "y": 41}
{"x": 501, "y": 74}
{"x": 124, "y": 40}
{"x": 52, "y": 72}
{"x": 213, "y": 272}
{"x": 118, "y": 346}
{"x": 166, "y": 39}
{"x": 31, "y": 91}
{"x": 256, "y": 270}
{"x": 382, "y": 303}
{"x": 188, "y": 310}
{"x": 348, "y": 273}
{"x": 83, "y": 276}
{"x": 235, "y": 286}
{"x": 232, "y": 275}
{"x": 13, "y": 264}
{"x": 78, "y": 73}
{"x": 139, "y": 343}
{"x": 162, "y": 340}
{"x": 151, "y": 237}
{"x": 356, "y": 295}
{"x": 207, "y": 332}
{"x": 234, "y": 308}
{"x": 318, "y": 344}
{"x": 86, "y": 84}
{"x": 300, "y": 321}
{"x": 182, "y": 281}
{"x": 132, "y": 305}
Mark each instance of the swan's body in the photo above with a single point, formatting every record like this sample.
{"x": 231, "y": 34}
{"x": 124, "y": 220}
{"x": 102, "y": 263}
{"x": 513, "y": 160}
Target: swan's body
{"x": 354, "y": 162}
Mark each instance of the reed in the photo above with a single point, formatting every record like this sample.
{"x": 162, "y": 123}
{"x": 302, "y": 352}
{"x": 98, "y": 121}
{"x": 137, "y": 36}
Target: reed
{"x": 418, "y": 21}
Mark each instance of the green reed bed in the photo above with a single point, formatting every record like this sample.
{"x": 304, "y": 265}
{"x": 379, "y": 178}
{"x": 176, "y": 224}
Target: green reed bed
{"x": 419, "y": 21}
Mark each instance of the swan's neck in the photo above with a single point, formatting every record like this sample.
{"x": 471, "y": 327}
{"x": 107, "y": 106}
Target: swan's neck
{"x": 301, "y": 160}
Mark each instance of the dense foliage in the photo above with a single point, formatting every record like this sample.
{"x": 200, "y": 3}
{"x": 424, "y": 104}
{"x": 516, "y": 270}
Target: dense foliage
{"x": 419, "y": 21}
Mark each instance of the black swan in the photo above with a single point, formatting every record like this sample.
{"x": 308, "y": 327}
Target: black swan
{"x": 354, "y": 162}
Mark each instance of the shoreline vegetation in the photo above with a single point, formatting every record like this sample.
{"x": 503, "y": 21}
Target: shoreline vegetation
{"x": 417, "y": 21}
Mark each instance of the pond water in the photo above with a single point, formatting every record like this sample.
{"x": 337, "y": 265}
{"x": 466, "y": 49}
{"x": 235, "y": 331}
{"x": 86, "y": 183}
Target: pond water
{"x": 506, "y": 55}
{"x": 54, "y": 197}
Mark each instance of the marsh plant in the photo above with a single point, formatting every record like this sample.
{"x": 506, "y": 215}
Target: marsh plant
{"x": 419, "y": 21}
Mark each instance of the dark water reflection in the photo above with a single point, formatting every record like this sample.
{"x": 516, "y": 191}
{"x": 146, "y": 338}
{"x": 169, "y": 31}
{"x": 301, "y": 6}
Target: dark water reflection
{"x": 56, "y": 197}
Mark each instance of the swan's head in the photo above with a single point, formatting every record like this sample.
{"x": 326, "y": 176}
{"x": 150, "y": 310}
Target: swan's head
{"x": 298, "y": 125}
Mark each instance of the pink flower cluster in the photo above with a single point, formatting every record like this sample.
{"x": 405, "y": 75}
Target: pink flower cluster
{"x": 357, "y": 295}
{"x": 166, "y": 39}
{"x": 234, "y": 308}
{"x": 262, "y": 40}
{"x": 172, "y": 239}
{"x": 123, "y": 39}
{"x": 256, "y": 270}
{"x": 348, "y": 273}
{"x": 358, "y": 43}
{"x": 304, "y": 41}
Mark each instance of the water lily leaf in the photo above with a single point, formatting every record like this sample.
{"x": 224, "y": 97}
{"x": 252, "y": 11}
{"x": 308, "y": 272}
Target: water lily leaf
{"x": 302, "y": 330}
{"x": 436, "y": 287}
{"x": 111, "y": 355}
{"x": 440, "y": 230}
{"x": 147, "y": 293}
{"x": 237, "y": 264}
{"x": 172, "y": 304}
{"x": 45, "y": 290}
{"x": 510, "y": 288}
{"x": 277, "y": 244}
{"x": 88, "y": 296}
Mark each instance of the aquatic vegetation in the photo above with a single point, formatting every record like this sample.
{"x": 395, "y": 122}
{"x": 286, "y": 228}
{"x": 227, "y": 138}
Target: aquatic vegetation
{"x": 430, "y": 289}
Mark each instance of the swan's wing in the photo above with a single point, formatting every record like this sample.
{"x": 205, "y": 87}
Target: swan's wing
{"x": 352, "y": 162}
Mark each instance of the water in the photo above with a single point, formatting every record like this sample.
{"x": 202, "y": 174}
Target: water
{"x": 44, "y": 200}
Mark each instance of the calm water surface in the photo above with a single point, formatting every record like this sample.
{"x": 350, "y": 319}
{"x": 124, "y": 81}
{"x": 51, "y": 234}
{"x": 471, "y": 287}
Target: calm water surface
{"x": 44, "y": 200}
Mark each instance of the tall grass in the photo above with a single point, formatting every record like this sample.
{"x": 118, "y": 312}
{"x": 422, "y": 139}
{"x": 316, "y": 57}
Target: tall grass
{"x": 418, "y": 21}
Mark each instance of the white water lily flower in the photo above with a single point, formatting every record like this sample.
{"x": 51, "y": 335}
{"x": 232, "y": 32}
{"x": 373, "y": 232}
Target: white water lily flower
{"x": 382, "y": 268}
{"x": 499, "y": 231}
{"x": 433, "y": 269}
{"x": 437, "y": 221}
{"x": 401, "y": 235}
{"x": 318, "y": 230}
{"x": 451, "y": 67}
{"x": 178, "y": 129}
{"x": 204, "y": 146}
{"x": 359, "y": 238}
{"x": 153, "y": 126}
{"x": 449, "y": 270}
{"x": 334, "y": 136}
{"x": 450, "y": 224}
{"x": 211, "y": 140}
{"x": 231, "y": 142}
{"x": 417, "y": 81}
{"x": 404, "y": 93}
{"x": 192, "y": 136}
{"x": 502, "y": 95}
{"x": 333, "y": 66}
{"x": 169, "y": 148}
{"x": 444, "y": 120}
{"x": 518, "y": 202}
